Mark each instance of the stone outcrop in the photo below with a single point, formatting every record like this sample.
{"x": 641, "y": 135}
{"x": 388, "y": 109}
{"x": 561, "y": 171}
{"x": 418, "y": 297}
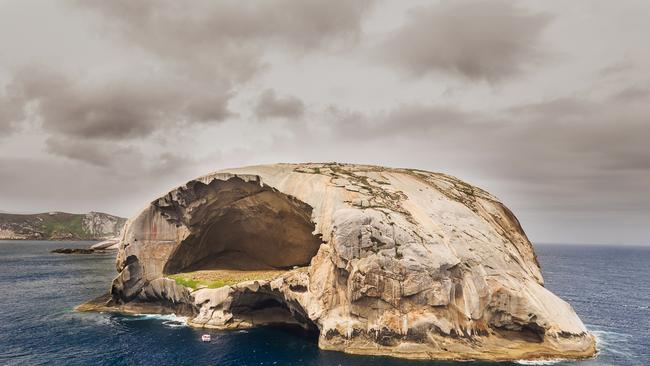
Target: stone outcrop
{"x": 73, "y": 251}
{"x": 381, "y": 261}
{"x": 60, "y": 226}
{"x": 99, "y": 225}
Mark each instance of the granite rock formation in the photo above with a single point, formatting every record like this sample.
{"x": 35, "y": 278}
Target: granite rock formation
{"x": 381, "y": 261}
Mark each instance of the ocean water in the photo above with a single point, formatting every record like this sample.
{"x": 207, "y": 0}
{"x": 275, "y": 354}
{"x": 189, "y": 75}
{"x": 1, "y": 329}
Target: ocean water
{"x": 608, "y": 286}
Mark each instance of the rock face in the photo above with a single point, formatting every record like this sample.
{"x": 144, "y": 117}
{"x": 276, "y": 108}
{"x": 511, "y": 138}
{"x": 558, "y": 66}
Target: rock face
{"x": 60, "y": 226}
{"x": 382, "y": 261}
{"x": 99, "y": 225}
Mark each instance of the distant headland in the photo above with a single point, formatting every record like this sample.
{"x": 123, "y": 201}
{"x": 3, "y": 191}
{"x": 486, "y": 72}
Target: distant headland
{"x": 60, "y": 226}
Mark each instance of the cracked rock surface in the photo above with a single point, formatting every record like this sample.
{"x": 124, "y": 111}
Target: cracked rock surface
{"x": 382, "y": 261}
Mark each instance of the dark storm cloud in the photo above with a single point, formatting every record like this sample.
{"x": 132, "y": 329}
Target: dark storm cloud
{"x": 225, "y": 38}
{"x": 480, "y": 40}
{"x": 115, "y": 109}
{"x": 269, "y": 105}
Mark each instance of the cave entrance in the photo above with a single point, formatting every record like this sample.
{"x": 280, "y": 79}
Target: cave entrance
{"x": 270, "y": 309}
{"x": 243, "y": 226}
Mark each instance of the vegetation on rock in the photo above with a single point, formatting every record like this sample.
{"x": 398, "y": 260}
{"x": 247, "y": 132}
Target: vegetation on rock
{"x": 221, "y": 278}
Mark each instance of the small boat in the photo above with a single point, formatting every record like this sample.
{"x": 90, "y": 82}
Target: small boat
{"x": 205, "y": 338}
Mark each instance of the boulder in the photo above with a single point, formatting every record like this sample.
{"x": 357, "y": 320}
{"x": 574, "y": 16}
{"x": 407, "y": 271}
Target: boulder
{"x": 381, "y": 261}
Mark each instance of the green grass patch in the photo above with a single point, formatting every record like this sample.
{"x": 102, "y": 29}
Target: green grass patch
{"x": 220, "y": 278}
{"x": 196, "y": 283}
{"x": 63, "y": 224}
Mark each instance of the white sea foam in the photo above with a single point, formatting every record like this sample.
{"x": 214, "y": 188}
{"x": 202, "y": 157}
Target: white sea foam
{"x": 538, "y": 362}
{"x": 170, "y": 320}
{"x": 604, "y": 339}
{"x": 612, "y": 342}
{"x": 174, "y": 324}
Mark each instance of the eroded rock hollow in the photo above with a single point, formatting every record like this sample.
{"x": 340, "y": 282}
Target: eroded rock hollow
{"x": 240, "y": 225}
{"x": 372, "y": 260}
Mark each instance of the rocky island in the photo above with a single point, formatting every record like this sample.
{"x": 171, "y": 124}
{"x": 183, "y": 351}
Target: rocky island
{"x": 60, "y": 226}
{"x": 372, "y": 260}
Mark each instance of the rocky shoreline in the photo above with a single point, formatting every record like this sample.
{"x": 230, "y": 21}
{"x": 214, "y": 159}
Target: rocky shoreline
{"x": 74, "y": 251}
{"x": 101, "y": 247}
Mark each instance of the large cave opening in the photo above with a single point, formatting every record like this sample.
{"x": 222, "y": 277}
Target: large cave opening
{"x": 241, "y": 229}
{"x": 242, "y": 226}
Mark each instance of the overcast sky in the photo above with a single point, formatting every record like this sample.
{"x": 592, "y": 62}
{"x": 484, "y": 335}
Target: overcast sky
{"x": 105, "y": 105}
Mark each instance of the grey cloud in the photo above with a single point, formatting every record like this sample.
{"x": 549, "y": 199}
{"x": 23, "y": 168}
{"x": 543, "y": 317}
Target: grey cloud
{"x": 100, "y": 154}
{"x": 152, "y": 80}
{"x": 589, "y": 154}
{"x": 122, "y": 159}
{"x": 616, "y": 69}
{"x": 634, "y": 93}
{"x": 408, "y": 120}
{"x": 225, "y": 38}
{"x": 561, "y": 107}
{"x": 201, "y": 53}
{"x": 307, "y": 23}
{"x": 269, "y": 105}
{"x": 117, "y": 109}
{"x": 169, "y": 162}
{"x": 479, "y": 40}
{"x": 11, "y": 109}
{"x": 37, "y": 185}
{"x": 423, "y": 118}
{"x": 607, "y": 134}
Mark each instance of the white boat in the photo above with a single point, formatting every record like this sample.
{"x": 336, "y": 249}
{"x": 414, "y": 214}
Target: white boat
{"x": 205, "y": 338}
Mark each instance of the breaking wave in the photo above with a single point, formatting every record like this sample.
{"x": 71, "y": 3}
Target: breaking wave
{"x": 168, "y": 320}
{"x": 614, "y": 343}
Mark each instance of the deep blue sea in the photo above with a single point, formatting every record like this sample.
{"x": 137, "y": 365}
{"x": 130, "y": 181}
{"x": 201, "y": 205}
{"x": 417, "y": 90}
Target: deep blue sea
{"x": 608, "y": 286}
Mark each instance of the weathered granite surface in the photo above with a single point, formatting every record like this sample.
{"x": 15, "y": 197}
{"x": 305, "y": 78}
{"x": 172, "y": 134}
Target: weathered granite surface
{"x": 395, "y": 262}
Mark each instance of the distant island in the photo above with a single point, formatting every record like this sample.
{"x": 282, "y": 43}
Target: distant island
{"x": 60, "y": 226}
